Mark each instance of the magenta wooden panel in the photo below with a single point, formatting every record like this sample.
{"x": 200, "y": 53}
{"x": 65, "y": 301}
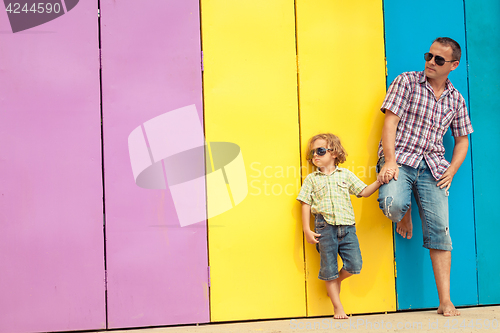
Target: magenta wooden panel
{"x": 51, "y": 229}
{"x": 151, "y": 65}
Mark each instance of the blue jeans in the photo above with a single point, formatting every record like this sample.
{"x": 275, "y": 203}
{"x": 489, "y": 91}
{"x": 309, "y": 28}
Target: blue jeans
{"x": 395, "y": 200}
{"x": 337, "y": 239}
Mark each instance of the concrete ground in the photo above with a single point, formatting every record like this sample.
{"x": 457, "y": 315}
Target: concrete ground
{"x": 473, "y": 319}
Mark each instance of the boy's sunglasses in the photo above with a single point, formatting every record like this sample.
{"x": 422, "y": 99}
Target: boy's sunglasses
{"x": 438, "y": 59}
{"x": 319, "y": 151}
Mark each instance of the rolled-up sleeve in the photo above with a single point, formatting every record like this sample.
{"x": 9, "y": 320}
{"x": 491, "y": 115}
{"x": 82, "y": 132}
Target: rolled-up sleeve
{"x": 397, "y": 97}
{"x": 356, "y": 185}
{"x": 306, "y": 191}
{"x": 461, "y": 124}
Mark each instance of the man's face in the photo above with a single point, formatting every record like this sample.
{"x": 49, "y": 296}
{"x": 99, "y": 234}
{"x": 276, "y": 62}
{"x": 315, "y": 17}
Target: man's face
{"x": 432, "y": 70}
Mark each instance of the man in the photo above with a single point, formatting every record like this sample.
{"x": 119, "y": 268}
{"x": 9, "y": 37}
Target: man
{"x": 419, "y": 108}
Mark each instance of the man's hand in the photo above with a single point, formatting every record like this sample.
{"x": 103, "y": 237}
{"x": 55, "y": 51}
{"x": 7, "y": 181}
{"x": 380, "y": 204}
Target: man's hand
{"x": 311, "y": 236}
{"x": 446, "y": 179}
{"x": 459, "y": 154}
{"x": 388, "y": 172}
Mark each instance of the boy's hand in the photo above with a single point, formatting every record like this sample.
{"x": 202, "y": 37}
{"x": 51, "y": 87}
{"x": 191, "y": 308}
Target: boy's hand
{"x": 389, "y": 171}
{"x": 311, "y": 237}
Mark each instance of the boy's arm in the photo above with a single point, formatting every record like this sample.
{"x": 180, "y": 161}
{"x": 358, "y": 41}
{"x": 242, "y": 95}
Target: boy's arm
{"x": 306, "y": 220}
{"x": 370, "y": 189}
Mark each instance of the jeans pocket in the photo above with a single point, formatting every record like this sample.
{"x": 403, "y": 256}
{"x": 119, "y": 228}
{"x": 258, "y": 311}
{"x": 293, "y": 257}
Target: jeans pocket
{"x": 380, "y": 164}
{"x": 319, "y": 225}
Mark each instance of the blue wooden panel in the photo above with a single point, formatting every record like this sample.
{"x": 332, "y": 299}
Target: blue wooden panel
{"x": 483, "y": 33}
{"x": 409, "y": 32}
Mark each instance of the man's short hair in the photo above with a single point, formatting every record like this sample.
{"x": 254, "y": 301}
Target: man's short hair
{"x": 455, "y": 47}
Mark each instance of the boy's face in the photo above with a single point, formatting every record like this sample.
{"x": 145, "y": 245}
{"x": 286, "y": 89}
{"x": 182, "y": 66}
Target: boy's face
{"x": 327, "y": 160}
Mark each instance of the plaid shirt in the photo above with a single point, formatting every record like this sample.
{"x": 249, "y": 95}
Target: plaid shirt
{"x": 424, "y": 120}
{"x": 328, "y": 195}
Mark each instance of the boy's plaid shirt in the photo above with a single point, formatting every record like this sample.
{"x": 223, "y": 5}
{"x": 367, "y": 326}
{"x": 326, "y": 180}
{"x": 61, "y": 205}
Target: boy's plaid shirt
{"x": 424, "y": 120}
{"x": 329, "y": 195}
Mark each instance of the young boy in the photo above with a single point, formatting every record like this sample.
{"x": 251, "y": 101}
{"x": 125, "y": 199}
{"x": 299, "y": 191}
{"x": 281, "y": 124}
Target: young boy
{"x": 326, "y": 193}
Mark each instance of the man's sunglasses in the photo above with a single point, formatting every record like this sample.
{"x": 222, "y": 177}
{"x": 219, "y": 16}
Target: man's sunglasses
{"x": 319, "y": 151}
{"x": 438, "y": 59}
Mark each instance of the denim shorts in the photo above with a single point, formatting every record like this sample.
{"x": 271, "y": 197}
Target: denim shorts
{"x": 341, "y": 240}
{"x": 395, "y": 200}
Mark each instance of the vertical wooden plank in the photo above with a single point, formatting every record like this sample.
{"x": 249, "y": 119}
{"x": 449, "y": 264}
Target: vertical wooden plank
{"x": 404, "y": 49}
{"x": 483, "y": 30}
{"x": 250, "y": 89}
{"x": 51, "y": 237}
{"x": 151, "y": 64}
{"x": 342, "y": 84}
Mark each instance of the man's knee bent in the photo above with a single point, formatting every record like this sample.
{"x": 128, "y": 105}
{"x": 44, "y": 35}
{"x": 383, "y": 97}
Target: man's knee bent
{"x": 393, "y": 209}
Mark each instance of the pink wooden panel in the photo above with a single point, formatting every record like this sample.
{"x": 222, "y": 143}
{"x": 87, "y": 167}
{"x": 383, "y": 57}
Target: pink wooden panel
{"x": 51, "y": 229}
{"x": 157, "y": 266}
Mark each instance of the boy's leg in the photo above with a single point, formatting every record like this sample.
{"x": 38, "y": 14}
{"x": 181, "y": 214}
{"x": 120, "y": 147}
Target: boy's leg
{"x": 348, "y": 248}
{"x": 333, "y": 288}
{"x": 328, "y": 249}
{"x": 343, "y": 274}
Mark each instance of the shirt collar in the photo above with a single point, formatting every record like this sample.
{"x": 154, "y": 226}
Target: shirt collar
{"x": 321, "y": 173}
{"x": 423, "y": 79}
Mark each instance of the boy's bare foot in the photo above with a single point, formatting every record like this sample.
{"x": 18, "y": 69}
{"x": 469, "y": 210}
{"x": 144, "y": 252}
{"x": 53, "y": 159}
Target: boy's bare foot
{"x": 405, "y": 226}
{"x": 333, "y": 288}
{"x": 448, "y": 309}
{"x": 339, "y": 313}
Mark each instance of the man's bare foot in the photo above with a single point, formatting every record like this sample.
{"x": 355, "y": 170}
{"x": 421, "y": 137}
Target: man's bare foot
{"x": 339, "y": 313}
{"x": 448, "y": 309}
{"x": 405, "y": 226}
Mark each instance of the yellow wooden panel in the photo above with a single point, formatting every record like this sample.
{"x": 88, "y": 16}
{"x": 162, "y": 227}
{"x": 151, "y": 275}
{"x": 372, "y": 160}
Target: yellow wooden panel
{"x": 250, "y": 92}
{"x": 341, "y": 87}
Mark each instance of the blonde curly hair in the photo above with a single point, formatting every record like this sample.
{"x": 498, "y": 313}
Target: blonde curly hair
{"x": 332, "y": 142}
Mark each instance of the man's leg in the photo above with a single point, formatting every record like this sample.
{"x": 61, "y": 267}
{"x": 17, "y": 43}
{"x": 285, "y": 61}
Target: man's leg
{"x": 405, "y": 226}
{"x": 395, "y": 199}
{"x": 432, "y": 202}
{"x": 441, "y": 264}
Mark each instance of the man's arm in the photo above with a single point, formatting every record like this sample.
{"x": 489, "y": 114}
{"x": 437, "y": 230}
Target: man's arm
{"x": 388, "y": 144}
{"x": 459, "y": 154}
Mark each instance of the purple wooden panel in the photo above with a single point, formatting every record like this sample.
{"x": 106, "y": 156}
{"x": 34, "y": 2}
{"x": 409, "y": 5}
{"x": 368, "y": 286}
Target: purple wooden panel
{"x": 51, "y": 229}
{"x": 151, "y": 58}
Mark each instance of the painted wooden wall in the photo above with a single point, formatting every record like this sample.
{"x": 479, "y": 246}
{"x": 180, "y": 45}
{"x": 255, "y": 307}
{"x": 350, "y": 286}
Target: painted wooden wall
{"x": 157, "y": 268}
{"x": 340, "y": 90}
{"x": 275, "y": 73}
{"x": 51, "y": 223}
{"x": 250, "y": 93}
{"x": 415, "y": 283}
{"x": 483, "y": 29}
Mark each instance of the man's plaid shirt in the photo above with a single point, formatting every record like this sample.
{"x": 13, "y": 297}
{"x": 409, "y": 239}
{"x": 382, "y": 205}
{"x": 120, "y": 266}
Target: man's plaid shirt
{"x": 329, "y": 195}
{"x": 424, "y": 120}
